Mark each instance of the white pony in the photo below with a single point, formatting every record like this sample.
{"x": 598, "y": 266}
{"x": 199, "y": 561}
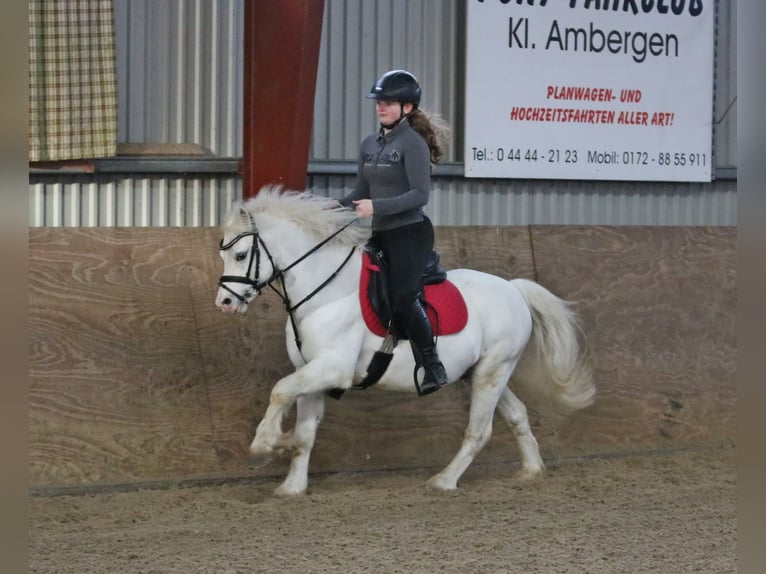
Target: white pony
{"x": 308, "y": 249}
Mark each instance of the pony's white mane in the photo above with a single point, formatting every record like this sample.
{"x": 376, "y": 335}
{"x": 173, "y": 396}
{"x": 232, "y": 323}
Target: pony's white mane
{"x": 322, "y": 216}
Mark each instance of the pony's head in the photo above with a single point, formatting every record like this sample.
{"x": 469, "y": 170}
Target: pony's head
{"x": 250, "y": 261}
{"x": 248, "y": 266}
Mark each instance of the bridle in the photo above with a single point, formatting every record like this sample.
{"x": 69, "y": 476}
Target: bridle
{"x": 255, "y": 257}
{"x": 254, "y": 264}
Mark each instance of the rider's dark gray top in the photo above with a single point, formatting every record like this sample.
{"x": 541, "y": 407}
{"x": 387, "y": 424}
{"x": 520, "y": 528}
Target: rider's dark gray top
{"x": 395, "y": 173}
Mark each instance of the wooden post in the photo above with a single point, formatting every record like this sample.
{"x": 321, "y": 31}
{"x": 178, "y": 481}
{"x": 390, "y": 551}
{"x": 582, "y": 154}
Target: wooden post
{"x": 282, "y": 41}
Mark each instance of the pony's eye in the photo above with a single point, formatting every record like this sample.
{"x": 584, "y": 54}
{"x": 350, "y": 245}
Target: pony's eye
{"x": 240, "y": 256}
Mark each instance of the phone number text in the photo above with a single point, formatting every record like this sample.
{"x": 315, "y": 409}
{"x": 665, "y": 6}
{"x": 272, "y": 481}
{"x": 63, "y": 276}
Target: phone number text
{"x": 591, "y": 156}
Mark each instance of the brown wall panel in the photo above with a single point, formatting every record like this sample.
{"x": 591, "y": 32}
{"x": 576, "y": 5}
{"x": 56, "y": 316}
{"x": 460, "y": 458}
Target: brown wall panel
{"x": 658, "y": 306}
{"x": 136, "y": 376}
{"x": 116, "y": 390}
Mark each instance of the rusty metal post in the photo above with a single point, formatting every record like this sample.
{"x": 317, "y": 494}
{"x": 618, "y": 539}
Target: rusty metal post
{"x": 282, "y": 41}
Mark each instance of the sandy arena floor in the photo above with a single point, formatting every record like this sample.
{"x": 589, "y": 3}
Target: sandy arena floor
{"x": 661, "y": 513}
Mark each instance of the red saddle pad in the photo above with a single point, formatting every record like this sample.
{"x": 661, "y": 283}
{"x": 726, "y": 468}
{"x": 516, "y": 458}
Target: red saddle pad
{"x": 443, "y": 299}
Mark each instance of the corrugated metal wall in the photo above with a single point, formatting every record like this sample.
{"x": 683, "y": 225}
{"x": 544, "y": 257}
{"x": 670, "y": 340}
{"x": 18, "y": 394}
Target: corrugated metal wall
{"x": 204, "y": 201}
{"x": 179, "y": 71}
{"x": 725, "y": 94}
{"x": 527, "y": 202}
{"x": 133, "y": 201}
{"x": 361, "y": 40}
{"x": 180, "y": 77}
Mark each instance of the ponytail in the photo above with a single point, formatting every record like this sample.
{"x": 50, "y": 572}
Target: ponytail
{"x": 433, "y": 129}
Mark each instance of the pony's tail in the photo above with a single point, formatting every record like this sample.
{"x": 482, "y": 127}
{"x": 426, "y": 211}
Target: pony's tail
{"x": 552, "y": 370}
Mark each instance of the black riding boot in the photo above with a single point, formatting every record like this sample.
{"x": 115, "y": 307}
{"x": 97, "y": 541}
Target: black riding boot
{"x": 415, "y": 322}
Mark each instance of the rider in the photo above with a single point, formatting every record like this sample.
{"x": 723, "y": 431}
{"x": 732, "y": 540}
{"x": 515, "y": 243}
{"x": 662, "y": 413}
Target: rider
{"x": 393, "y": 185}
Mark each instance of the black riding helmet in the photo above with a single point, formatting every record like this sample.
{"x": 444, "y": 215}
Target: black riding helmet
{"x": 396, "y": 86}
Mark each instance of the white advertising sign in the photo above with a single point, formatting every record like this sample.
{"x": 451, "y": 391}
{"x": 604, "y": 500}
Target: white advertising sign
{"x": 589, "y": 89}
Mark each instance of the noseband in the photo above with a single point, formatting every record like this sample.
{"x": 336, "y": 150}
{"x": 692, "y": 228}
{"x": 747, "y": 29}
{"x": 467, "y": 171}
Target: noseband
{"x": 257, "y": 285}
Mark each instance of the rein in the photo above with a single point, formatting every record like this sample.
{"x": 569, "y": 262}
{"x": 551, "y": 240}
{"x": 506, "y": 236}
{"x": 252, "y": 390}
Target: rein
{"x": 255, "y": 256}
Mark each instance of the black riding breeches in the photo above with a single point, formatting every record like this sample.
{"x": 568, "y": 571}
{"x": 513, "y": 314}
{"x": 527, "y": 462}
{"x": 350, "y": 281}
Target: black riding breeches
{"x": 407, "y": 250}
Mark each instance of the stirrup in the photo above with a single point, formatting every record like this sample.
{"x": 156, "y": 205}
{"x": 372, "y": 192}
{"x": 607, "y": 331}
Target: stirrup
{"x": 426, "y": 389}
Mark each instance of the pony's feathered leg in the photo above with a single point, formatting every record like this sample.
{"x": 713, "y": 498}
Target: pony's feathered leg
{"x": 315, "y": 377}
{"x": 310, "y": 410}
{"x": 514, "y": 413}
{"x": 489, "y": 379}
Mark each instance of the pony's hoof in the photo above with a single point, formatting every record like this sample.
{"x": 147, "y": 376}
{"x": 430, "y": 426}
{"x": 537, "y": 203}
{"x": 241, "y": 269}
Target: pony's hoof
{"x": 283, "y": 491}
{"x": 259, "y": 458}
{"x": 439, "y": 483}
{"x": 528, "y": 475}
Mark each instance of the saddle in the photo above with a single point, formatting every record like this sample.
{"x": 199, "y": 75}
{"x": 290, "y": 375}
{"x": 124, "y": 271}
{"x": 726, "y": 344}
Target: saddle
{"x": 440, "y": 298}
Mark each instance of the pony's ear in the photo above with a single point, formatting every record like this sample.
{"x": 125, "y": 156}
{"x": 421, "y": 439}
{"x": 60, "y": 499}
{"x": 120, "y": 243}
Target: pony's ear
{"x": 244, "y": 215}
